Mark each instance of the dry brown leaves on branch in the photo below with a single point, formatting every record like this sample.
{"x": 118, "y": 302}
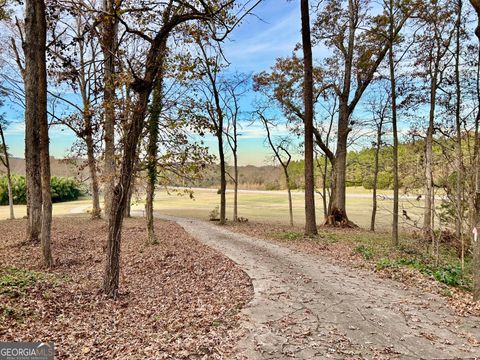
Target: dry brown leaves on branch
{"x": 179, "y": 299}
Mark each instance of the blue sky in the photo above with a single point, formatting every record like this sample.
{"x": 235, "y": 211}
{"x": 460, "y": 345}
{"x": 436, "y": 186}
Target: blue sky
{"x": 253, "y": 47}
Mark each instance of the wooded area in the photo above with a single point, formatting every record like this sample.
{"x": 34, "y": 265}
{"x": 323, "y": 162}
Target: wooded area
{"x": 384, "y": 95}
{"x": 135, "y": 83}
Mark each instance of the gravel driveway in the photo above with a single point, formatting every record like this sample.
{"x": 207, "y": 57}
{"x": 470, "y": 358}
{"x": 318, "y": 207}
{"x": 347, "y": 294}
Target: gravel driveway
{"x": 306, "y": 307}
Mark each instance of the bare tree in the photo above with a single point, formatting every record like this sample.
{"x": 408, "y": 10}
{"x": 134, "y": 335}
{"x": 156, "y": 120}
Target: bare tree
{"x": 283, "y": 156}
{"x": 435, "y": 56}
{"x": 234, "y": 88}
{"x": 379, "y": 109}
{"x": 212, "y": 88}
{"x": 79, "y": 67}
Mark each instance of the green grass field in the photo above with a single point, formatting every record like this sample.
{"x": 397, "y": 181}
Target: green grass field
{"x": 262, "y": 206}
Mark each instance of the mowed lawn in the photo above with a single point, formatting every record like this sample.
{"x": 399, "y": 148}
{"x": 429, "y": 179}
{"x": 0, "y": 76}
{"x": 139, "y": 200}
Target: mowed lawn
{"x": 272, "y": 206}
{"x": 261, "y": 206}
{"x": 59, "y": 209}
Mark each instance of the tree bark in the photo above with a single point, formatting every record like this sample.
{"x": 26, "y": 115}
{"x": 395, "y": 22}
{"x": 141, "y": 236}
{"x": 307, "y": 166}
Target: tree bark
{"x": 235, "y": 188}
{"x": 128, "y": 207}
{"x": 476, "y": 242}
{"x": 375, "y": 174}
{"x": 108, "y": 43}
{"x": 9, "y": 175}
{"x": 289, "y": 190}
{"x": 120, "y": 196}
{"x": 476, "y": 217}
{"x": 393, "y": 92}
{"x": 458, "y": 144}
{"x": 338, "y": 213}
{"x": 36, "y": 100}
{"x": 223, "y": 177}
{"x": 310, "y": 217}
{"x": 33, "y": 46}
{"x": 338, "y": 208}
{"x": 152, "y": 149}
{"x": 92, "y": 166}
{"x": 428, "y": 211}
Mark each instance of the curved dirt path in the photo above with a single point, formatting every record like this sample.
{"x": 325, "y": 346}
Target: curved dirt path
{"x": 306, "y": 307}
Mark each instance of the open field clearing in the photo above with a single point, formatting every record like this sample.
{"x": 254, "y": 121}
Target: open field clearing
{"x": 59, "y": 209}
{"x": 272, "y": 206}
{"x": 266, "y": 206}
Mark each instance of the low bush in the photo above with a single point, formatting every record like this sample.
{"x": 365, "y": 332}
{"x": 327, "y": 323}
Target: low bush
{"x": 63, "y": 189}
{"x": 451, "y": 275}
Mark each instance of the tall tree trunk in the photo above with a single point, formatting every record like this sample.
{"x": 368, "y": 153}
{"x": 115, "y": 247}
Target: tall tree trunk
{"x": 128, "y": 207}
{"x": 32, "y": 47}
{"x": 393, "y": 92}
{"x": 428, "y": 211}
{"x": 36, "y": 92}
{"x": 375, "y": 174}
{"x": 476, "y": 218}
{"x": 36, "y": 116}
{"x": 109, "y": 35}
{"x": 87, "y": 134}
{"x": 338, "y": 206}
{"x": 9, "y": 175}
{"x": 458, "y": 144}
{"x": 476, "y": 242}
{"x": 310, "y": 217}
{"x": 152, "y": 149}
{"x": 92, "y": 167}
{"x": 235, "y": 190}
{"x": 324, "y": 187}
{"x": 223, "y": 177}
{"x": 46, "y": 190}
{"x": 119, "y": 199}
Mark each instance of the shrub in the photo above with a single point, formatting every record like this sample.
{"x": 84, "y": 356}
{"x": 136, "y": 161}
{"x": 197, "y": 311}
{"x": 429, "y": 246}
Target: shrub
{"x": 214, "y": 214}
{"x": 18, "y": 190}
{"x": 450, "y": 274}
{"x": 63, "y": 189}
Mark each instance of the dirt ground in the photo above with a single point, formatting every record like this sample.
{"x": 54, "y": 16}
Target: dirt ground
{"x": 178, "y": 300}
